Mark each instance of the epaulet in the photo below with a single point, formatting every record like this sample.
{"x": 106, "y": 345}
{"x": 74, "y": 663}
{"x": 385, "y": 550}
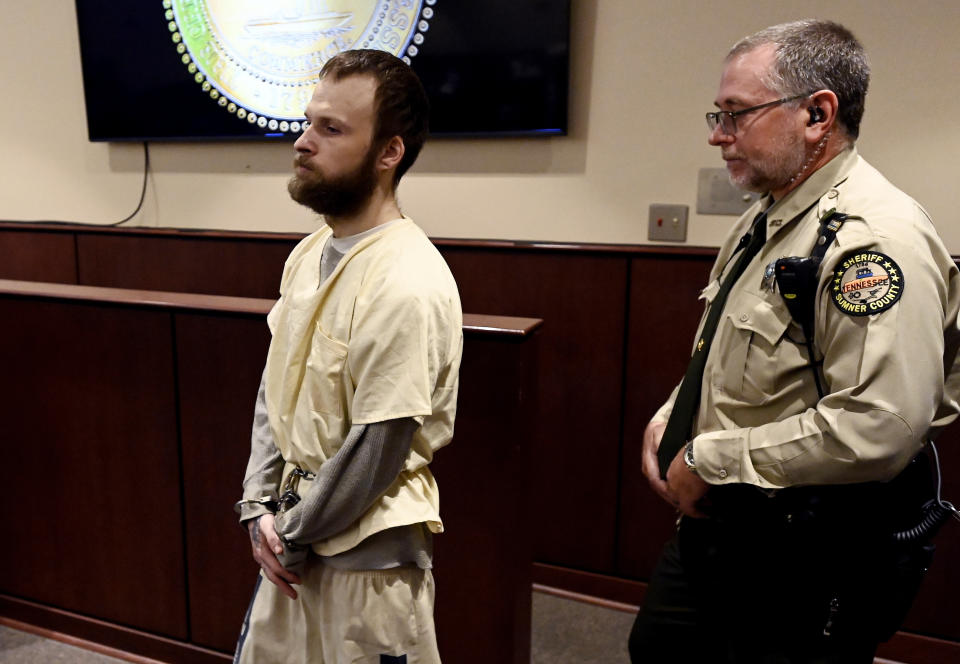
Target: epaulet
{"x": 829, "y": 226}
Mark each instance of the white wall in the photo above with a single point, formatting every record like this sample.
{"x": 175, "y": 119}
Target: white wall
{"x": 644, "y": 73}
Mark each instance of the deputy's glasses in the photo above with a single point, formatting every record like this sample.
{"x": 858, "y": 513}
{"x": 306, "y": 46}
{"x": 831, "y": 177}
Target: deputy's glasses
{"x": 728, "y": 119}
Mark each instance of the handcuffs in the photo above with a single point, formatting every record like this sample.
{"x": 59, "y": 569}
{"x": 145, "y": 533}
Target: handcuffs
{"x": 288, "y": 495}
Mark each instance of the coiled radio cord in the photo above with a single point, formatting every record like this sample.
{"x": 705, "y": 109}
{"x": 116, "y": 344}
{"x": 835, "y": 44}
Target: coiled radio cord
{"x": 935, "y": 511}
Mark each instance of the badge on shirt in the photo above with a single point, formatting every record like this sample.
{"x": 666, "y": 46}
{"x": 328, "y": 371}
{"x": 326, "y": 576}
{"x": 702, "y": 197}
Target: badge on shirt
{"x": 866, "y": 283}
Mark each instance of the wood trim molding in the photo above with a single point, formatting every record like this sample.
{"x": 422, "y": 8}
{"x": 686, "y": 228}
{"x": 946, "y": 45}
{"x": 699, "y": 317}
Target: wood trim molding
{"x": 78, "y": 227}
{"x": 919, "y": 649}
{"x": 599, "y": 587}
{"x": 157, "y": 299}
{"x": 586, "y": 599}
{"x": 577, "y": 247}
{"x": 466, "y": 243}
{"x": 98, "y": 648}
{"x": 509, "y": 326}
{"x": 94, "y": 634}
{"x": 567, "y": 247}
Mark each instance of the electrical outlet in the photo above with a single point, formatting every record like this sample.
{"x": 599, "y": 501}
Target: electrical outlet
{"x": 668, "y": 223}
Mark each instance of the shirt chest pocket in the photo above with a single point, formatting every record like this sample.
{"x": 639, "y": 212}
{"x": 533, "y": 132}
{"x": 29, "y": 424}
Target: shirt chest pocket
{"x": 750, "y": 348}
{"x": 324, "y": 374}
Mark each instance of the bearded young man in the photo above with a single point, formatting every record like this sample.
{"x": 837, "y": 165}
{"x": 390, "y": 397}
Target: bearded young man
{"x": 791, "y": 447}
{"x": 358, "y": 392}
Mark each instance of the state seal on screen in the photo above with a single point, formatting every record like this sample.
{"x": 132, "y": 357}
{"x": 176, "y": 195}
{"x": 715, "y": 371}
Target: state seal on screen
{"x": 260, "y": 60}
{"x": 866, "y": 283}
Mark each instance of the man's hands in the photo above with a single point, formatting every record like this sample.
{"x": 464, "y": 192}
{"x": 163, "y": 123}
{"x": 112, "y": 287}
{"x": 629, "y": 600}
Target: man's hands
{"x": 686, "y": 488}
{"x": 682, "y": 489}
{"x": 651, "y": 466}
{"x": 266, "y": 546}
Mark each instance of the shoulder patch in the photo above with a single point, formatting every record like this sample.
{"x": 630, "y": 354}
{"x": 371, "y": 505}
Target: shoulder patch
{"x": 866, "y": 283}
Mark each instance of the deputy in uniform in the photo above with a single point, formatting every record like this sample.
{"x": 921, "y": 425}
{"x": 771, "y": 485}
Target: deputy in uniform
{"x": 791, "y": 450}
{"x": 359, "y": 391}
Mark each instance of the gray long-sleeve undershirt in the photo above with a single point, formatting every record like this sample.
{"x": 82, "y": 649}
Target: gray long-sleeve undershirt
{"x": 261, "y": 482}
{"x": 345, "y": 487}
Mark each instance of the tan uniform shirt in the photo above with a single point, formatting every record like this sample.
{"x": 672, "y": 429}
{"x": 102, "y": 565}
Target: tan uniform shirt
{"x": 380, "y": 339}
{"x": 886, "y": 331}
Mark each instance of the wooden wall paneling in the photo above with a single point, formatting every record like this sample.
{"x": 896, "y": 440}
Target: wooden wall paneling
{"x": 483, "y": 559}
{"x": 575, "y": 290}
{"x": 91, "y": 469}
{"x": 664, "y": 313}
{"x": 580, "y": 297}
{"x": 243, "y": 267}
{"x": 38, "y": 256}
{"x": 219, "y": 359}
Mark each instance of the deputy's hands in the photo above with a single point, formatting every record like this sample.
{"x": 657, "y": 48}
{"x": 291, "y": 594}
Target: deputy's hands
{"x": 682, "y": 489}
{"x": 651, "y": 466}
{"x": 266, "y": 546}
{"x": 685, "y": 488}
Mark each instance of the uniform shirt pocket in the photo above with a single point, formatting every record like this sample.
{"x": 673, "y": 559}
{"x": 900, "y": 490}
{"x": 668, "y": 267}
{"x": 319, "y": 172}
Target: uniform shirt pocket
{"x": 749, "y": 348}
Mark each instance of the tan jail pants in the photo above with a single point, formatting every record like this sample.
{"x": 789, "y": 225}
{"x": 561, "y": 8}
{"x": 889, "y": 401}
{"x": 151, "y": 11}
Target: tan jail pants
{"x": 343, "y": 617}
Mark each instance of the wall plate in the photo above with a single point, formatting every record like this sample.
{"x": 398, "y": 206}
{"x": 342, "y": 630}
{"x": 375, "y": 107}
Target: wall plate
{"x": 668, "y": 223}
{"x": 715, "y": 194}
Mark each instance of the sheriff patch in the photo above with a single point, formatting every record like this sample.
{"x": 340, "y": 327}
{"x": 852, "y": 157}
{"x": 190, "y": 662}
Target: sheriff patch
{"x": 866, "y": 283}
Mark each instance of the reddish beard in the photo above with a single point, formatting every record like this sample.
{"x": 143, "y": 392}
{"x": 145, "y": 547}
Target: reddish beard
{"x": 341, "y": 195}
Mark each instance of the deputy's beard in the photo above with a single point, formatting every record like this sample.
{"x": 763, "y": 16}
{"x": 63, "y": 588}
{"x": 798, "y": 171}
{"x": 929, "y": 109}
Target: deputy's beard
{"x": 343, "y": 195}
{"x": 773, "y": 170}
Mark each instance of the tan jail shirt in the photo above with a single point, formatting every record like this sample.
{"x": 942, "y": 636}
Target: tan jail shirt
{"x": 889, "y": 372}
{"x": 379, "y": 339}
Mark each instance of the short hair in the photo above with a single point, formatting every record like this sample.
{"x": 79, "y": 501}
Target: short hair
{"x": 400, "y": 103}
{"x": 815, "y": 55}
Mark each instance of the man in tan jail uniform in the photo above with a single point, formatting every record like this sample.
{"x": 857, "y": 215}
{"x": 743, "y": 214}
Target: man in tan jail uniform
{"x": 358, "y": 392}
{"x": 792, "y": 473}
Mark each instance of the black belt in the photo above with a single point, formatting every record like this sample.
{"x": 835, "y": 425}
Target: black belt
{"x": 889, "y": 506}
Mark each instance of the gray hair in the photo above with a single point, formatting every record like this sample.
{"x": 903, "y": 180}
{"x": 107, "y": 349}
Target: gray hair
{"x": 815, "y": 55}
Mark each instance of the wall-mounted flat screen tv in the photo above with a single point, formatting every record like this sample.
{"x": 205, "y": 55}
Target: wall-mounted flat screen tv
{"x": 245, "y": 69}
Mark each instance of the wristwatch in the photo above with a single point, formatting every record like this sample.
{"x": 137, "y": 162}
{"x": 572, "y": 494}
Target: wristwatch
{"x": 688, "y": 458}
